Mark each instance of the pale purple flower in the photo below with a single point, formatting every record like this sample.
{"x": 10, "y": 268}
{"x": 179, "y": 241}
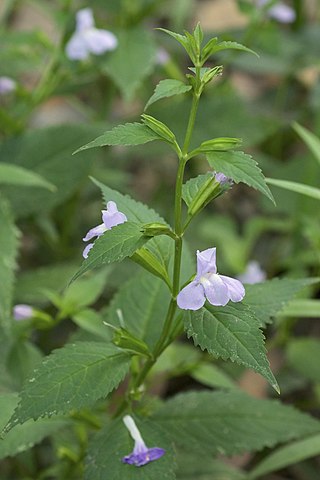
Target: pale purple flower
{"x": 253, "y": 273}
{"x": 208, "y": 284}
{"x": 141, "y": 454}
{"x": 223, "y": 179}
{"x": 162, "y": 56}
{"x": 89, "y": 39}
{"x": 7, "y": 85}
{"x": 22, "y": 312}
{"x": 280, "y": 11}
{"x": 110, "y": 218}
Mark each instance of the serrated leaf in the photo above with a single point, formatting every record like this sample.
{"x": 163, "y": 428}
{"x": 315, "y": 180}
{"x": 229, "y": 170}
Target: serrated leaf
{"x": 213, "y": 47}
{"x": 143, "y": 301}
{"x": 230, "y": 423}
{"x": 232, "y": 333}
{"x": 267, "y": 299}
{"x": 23, "y": 437}
{"x": 109, "y": 446}
{"x": 72, "y": 377}
{"x": 167, "y": 88}
{"x": 286, "y": 456}
{"x": 132, "y": 61}
{"x": 241, "y": 168}
{"x": 47, "y": 152}
{"x": 113, "y": 246}
{"x": 127, "y": 134}
{"x": 310, "y": 139}
{"x": 296, "y": 187}
{"x": 160, "y": 246}
{"x": 14, "y": 175}
{"x": 9, "y": 250}
{"x": 303, "y": 356}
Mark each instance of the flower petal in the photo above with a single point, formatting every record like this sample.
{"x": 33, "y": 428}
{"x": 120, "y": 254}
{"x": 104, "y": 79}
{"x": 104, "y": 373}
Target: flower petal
{"x": 206, "y": 262}
{"x": 84, "y": 19}
{"x": 95, "y": 232}
{"x": 283, "y": 13}
{"x": 191, "y": 297}
{"x": 99, "y": 41}
{"x": 253, "y": 273}
{"x": 77, "y": 48}
{"x": 216, "y": 291}
{"x": 87, "y": 250}
{"x": 236, "y": 290}
{"x": 22, "y": 312}
{"x": 113, "y": 219}
{"x": 143, "y": 458}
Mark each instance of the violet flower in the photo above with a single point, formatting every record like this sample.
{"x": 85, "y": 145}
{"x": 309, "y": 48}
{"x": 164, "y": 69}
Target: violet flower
{"x": 111, "y": 218}
{"x": 89, "y": 39}
{"x": 7, "y": 85}
{"x": 22, "y": 312}
{"x": 253, "y": 273}
{"x": 280, "y": 11}
{"x": 208, "y": 284}
{"x": 141, "y": 454}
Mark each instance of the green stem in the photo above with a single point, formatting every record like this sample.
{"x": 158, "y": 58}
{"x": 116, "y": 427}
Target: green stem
{"x": 168, "y": 333}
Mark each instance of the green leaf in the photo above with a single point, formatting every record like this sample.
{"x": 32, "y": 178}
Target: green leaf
{"x": 241, "y": 168}
{"x": 213, "y": 47}
{"x": 22, "y": 359}
{"x": 191, "y": 189}
{"x": 143, "y": 301}
{"x": 267, "y": 299}
{"x": 113, "y": 442}
{"x": 72, "y": 377}
{"x": 230, "y": 423}
{"x": 132, "y": 61}
{"x": 23, "y": 437}
{"x": 167, "y": 88}
{"x": 127, "y": 134}
{"x": 212, "y": 376}
{"x": 9, "y": 249}
{"x": 47, "y": 152}
{"x": 303, "y": 356}
{"x": 138, "y": 212}
{"x": 184, "y": 41}
{"x": 113, "y": 246}
{"x": 295, "y": 187}
{"x": 14, "y": 175}
{"x": 92, "y": 322}
{"x": 286, "y": 456}
{"x": 310, "y": 139}
{"x": 231, "y": 332}
{"x": 189, "y": 468}
{"x": 305, "y": 308}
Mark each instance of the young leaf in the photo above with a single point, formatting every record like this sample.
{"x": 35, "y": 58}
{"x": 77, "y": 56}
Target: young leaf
{"x": 138, "y": 212}
{"x": 127, "y": 134}
{"x": 167, "y": 88}
{"x": 72, "y": 377}
{"x": 184, "y": 41}
{"x": 113, "y": 246}
{"x": 213, "y": 47}
{"x": 231, "y": 332}
{"x": 310, "y": 139}
{"x": 230, "y": 423}
{"x": 113, "y": 442}
{"x": 288, "y": 455}
{"x": 143, "y": 301}
{"x": 241, "y": 168}
{"x": 132, "y": 61}
{"x": 267, "y": 299}
{"x": 15, "y": 175}
{"x": 9, "y": 249}
{"x": 296, "y": 187}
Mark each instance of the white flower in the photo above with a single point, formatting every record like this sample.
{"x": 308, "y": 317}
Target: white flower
{"x": 89, "y": 39}
{"x": 7, "y": 85}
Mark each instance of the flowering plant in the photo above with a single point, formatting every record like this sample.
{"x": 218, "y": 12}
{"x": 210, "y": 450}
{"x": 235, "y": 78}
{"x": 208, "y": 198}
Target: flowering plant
{"x": 105, "y": 380}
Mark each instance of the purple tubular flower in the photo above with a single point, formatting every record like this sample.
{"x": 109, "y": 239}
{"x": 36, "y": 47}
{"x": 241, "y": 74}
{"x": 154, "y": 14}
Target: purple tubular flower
{"x": 141, "y": 454}
{"x": 88, "y": 39}
{"x": 223, "y": 179}
{"x": 7, "y": 85}
{"x": 111, "y": 217}
{"x": 253, "y": 273}
{"x": 22, "y": 312}
{"x": 280, "y": 11}
{"x": 208, "y": 284}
